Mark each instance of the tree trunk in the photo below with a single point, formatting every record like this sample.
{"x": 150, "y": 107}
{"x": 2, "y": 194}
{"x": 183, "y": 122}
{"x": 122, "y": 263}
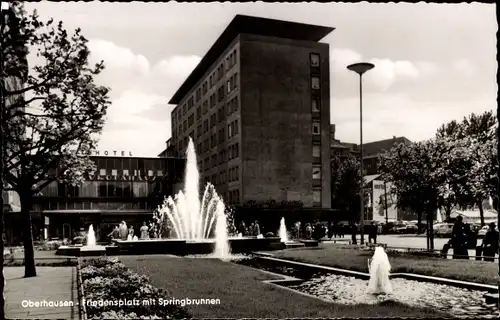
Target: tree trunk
{"x": 419, "y": 222}
{"x": 481, "y": 211}
{"x": 29, "y": 252}
{"x": 431, "y": 229}
{"x": 2, "y": 278}
{"x": 448, "y": 211}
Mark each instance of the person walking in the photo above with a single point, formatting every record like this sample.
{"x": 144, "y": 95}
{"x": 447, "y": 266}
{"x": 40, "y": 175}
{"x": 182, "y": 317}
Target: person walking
{"x": 459, "y": 240}
{"x": 372, "y": 233}
{"x": 490, "y": 243}
{"x": 354, "y": 233}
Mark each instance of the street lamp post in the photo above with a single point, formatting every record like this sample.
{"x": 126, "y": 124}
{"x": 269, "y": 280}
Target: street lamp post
{"x": 360, "y": 68}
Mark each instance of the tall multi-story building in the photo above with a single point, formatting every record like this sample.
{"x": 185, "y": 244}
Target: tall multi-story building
{"x": 257, "y": 107}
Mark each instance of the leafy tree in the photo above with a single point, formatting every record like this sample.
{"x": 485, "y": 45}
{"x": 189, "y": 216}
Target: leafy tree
{"x": 474, "y": 159}
{"x": 57, "y": 122}
{"x": 417, "y": 176}
{"x": 346, "y": 186}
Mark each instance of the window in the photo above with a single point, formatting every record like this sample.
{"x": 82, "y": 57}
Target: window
{"x": 159, "y": 173}
{"x": 125, "y": 172}
{"x": 198, "y": 94}
{"x": 316, "y": 172}
{"x": 316, "y": 152}
{"x": 102, "y": 172}
{"x": 314, "y": 60}
{"x": 190, "y": 103}
{"x": 198, "y": 113}
{"x": 228, "y": 86}
{"x": 315, "y": 83}
{"x": 114, "y": 172}
{"x": 315, "y": 105}
{"x": 205, "y": 87}
{"x": 316, "y": 195}
{"x": 191, "y": 120}
{"x": 316, "y": 128}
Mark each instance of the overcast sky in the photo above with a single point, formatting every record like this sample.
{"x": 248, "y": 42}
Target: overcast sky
{"x": 434, "y": 63}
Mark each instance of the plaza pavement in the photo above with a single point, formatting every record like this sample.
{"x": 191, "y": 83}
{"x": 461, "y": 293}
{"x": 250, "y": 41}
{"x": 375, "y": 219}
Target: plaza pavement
{"x": 412, "y": 241}
{"x": 51, "y": 284}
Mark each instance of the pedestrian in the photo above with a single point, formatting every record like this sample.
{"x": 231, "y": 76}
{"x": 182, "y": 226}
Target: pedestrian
{"x": 459, "y": 240}
{"x": 372, "y": 233}
{"x": 340, "y": 230}
{"x": 354, "y": 232}
{"x": 331, "y": 231}
{"x": 490, "y": 243}
{"x": 256, "y": 228}
{"x": 308, "y": 231}
{"x": 144, "y": 231}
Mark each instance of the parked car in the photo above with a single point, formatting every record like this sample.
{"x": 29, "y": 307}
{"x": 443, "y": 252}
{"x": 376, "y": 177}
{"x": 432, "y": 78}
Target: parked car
{"x": 411, "y": 228}
{"x": 482, "y": 232}
{"x": 444, "y": 229}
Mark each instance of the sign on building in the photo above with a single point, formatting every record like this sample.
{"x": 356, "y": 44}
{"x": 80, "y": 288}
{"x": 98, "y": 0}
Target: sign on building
{"x": 379, "y": 197}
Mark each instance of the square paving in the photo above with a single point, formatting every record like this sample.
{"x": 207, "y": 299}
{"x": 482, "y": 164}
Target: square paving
{"x": 52, "y": 285}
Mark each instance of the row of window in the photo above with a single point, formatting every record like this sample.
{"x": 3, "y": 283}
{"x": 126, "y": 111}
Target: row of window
{"x": 126, "y": 172}
{"x": 217, "y": 117}
{"x": 106, "y": 189}
{"x": 213, "y": 79}
{"x": 92, "y": 205}
{"x": 231, "y": 175}
{"x": 233, "y": 196}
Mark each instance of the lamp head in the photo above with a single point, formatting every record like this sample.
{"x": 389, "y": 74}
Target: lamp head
{"x": 361, "y": 67}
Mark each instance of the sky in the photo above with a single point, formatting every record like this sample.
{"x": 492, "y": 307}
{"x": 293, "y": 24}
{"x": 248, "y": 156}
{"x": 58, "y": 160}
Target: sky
{"x": 433, "y": 62}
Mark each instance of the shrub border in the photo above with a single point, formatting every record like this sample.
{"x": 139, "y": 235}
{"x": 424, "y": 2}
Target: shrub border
{"x": 81, "y": 291}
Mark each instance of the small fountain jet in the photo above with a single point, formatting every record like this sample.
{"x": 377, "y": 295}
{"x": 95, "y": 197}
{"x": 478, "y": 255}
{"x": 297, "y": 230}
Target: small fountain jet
{"x": 379, "y": 269}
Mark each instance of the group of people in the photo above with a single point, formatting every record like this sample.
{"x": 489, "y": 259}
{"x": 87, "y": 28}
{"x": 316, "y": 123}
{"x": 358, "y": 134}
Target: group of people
{"x": 462, "y": 237}
{"x": 123, "y": 232}
{"x": 252, "y": 230}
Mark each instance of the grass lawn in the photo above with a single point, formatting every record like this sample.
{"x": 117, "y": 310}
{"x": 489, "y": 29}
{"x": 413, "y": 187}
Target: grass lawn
{"x": 243, "y": 295}
{"x": 350, "y": 258}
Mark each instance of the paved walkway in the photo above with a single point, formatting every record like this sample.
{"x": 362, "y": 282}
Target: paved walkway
{"x": 51, "y": 286}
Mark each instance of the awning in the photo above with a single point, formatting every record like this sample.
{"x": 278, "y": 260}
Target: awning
{"x": 372, "y": 177}
{"x": 102, "y": 212}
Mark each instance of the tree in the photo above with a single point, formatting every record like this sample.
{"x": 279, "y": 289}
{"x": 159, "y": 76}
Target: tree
{"x": 475, "y": 158}
{"x": 52, "y": 131}
{"x": 346, "y": 186}
{"x": 417, "y": 176}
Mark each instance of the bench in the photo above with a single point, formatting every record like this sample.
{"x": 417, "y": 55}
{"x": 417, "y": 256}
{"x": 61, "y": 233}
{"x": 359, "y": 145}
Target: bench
{"x": 342, "y": 240}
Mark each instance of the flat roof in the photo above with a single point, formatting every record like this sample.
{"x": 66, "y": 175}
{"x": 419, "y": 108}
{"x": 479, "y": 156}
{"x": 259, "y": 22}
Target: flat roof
{"x": 252, "y": 25}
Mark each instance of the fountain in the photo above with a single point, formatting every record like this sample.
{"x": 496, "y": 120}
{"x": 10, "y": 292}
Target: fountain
{"x": 91, "y": 237}
{"x": 222, "y": 250}
{"x": 282, "y": 232}
{"x": 379, "y": 269}
{"x": 90, "y": 249}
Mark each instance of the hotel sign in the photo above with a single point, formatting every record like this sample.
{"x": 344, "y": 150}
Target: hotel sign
{"x": 122, "y": 178}
{"x": 112, "y": 153}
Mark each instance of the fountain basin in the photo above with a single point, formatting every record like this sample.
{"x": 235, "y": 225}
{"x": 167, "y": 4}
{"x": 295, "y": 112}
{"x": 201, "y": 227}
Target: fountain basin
{"x": 81, "y": 251}
{"x": 193, "y": 247}
{"x": 457, "y": 298}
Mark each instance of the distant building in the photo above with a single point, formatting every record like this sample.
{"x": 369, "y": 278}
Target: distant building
{"x": 122, "y": 189}
{"x": 258, "y": 109}
{"x": 169, "y": 151}
{"x": 380, "y": 207}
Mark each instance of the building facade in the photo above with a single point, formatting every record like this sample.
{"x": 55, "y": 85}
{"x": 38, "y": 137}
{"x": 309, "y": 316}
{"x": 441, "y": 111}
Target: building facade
{"x": 257, "y": 108}
{"x": 122, "y": 189}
